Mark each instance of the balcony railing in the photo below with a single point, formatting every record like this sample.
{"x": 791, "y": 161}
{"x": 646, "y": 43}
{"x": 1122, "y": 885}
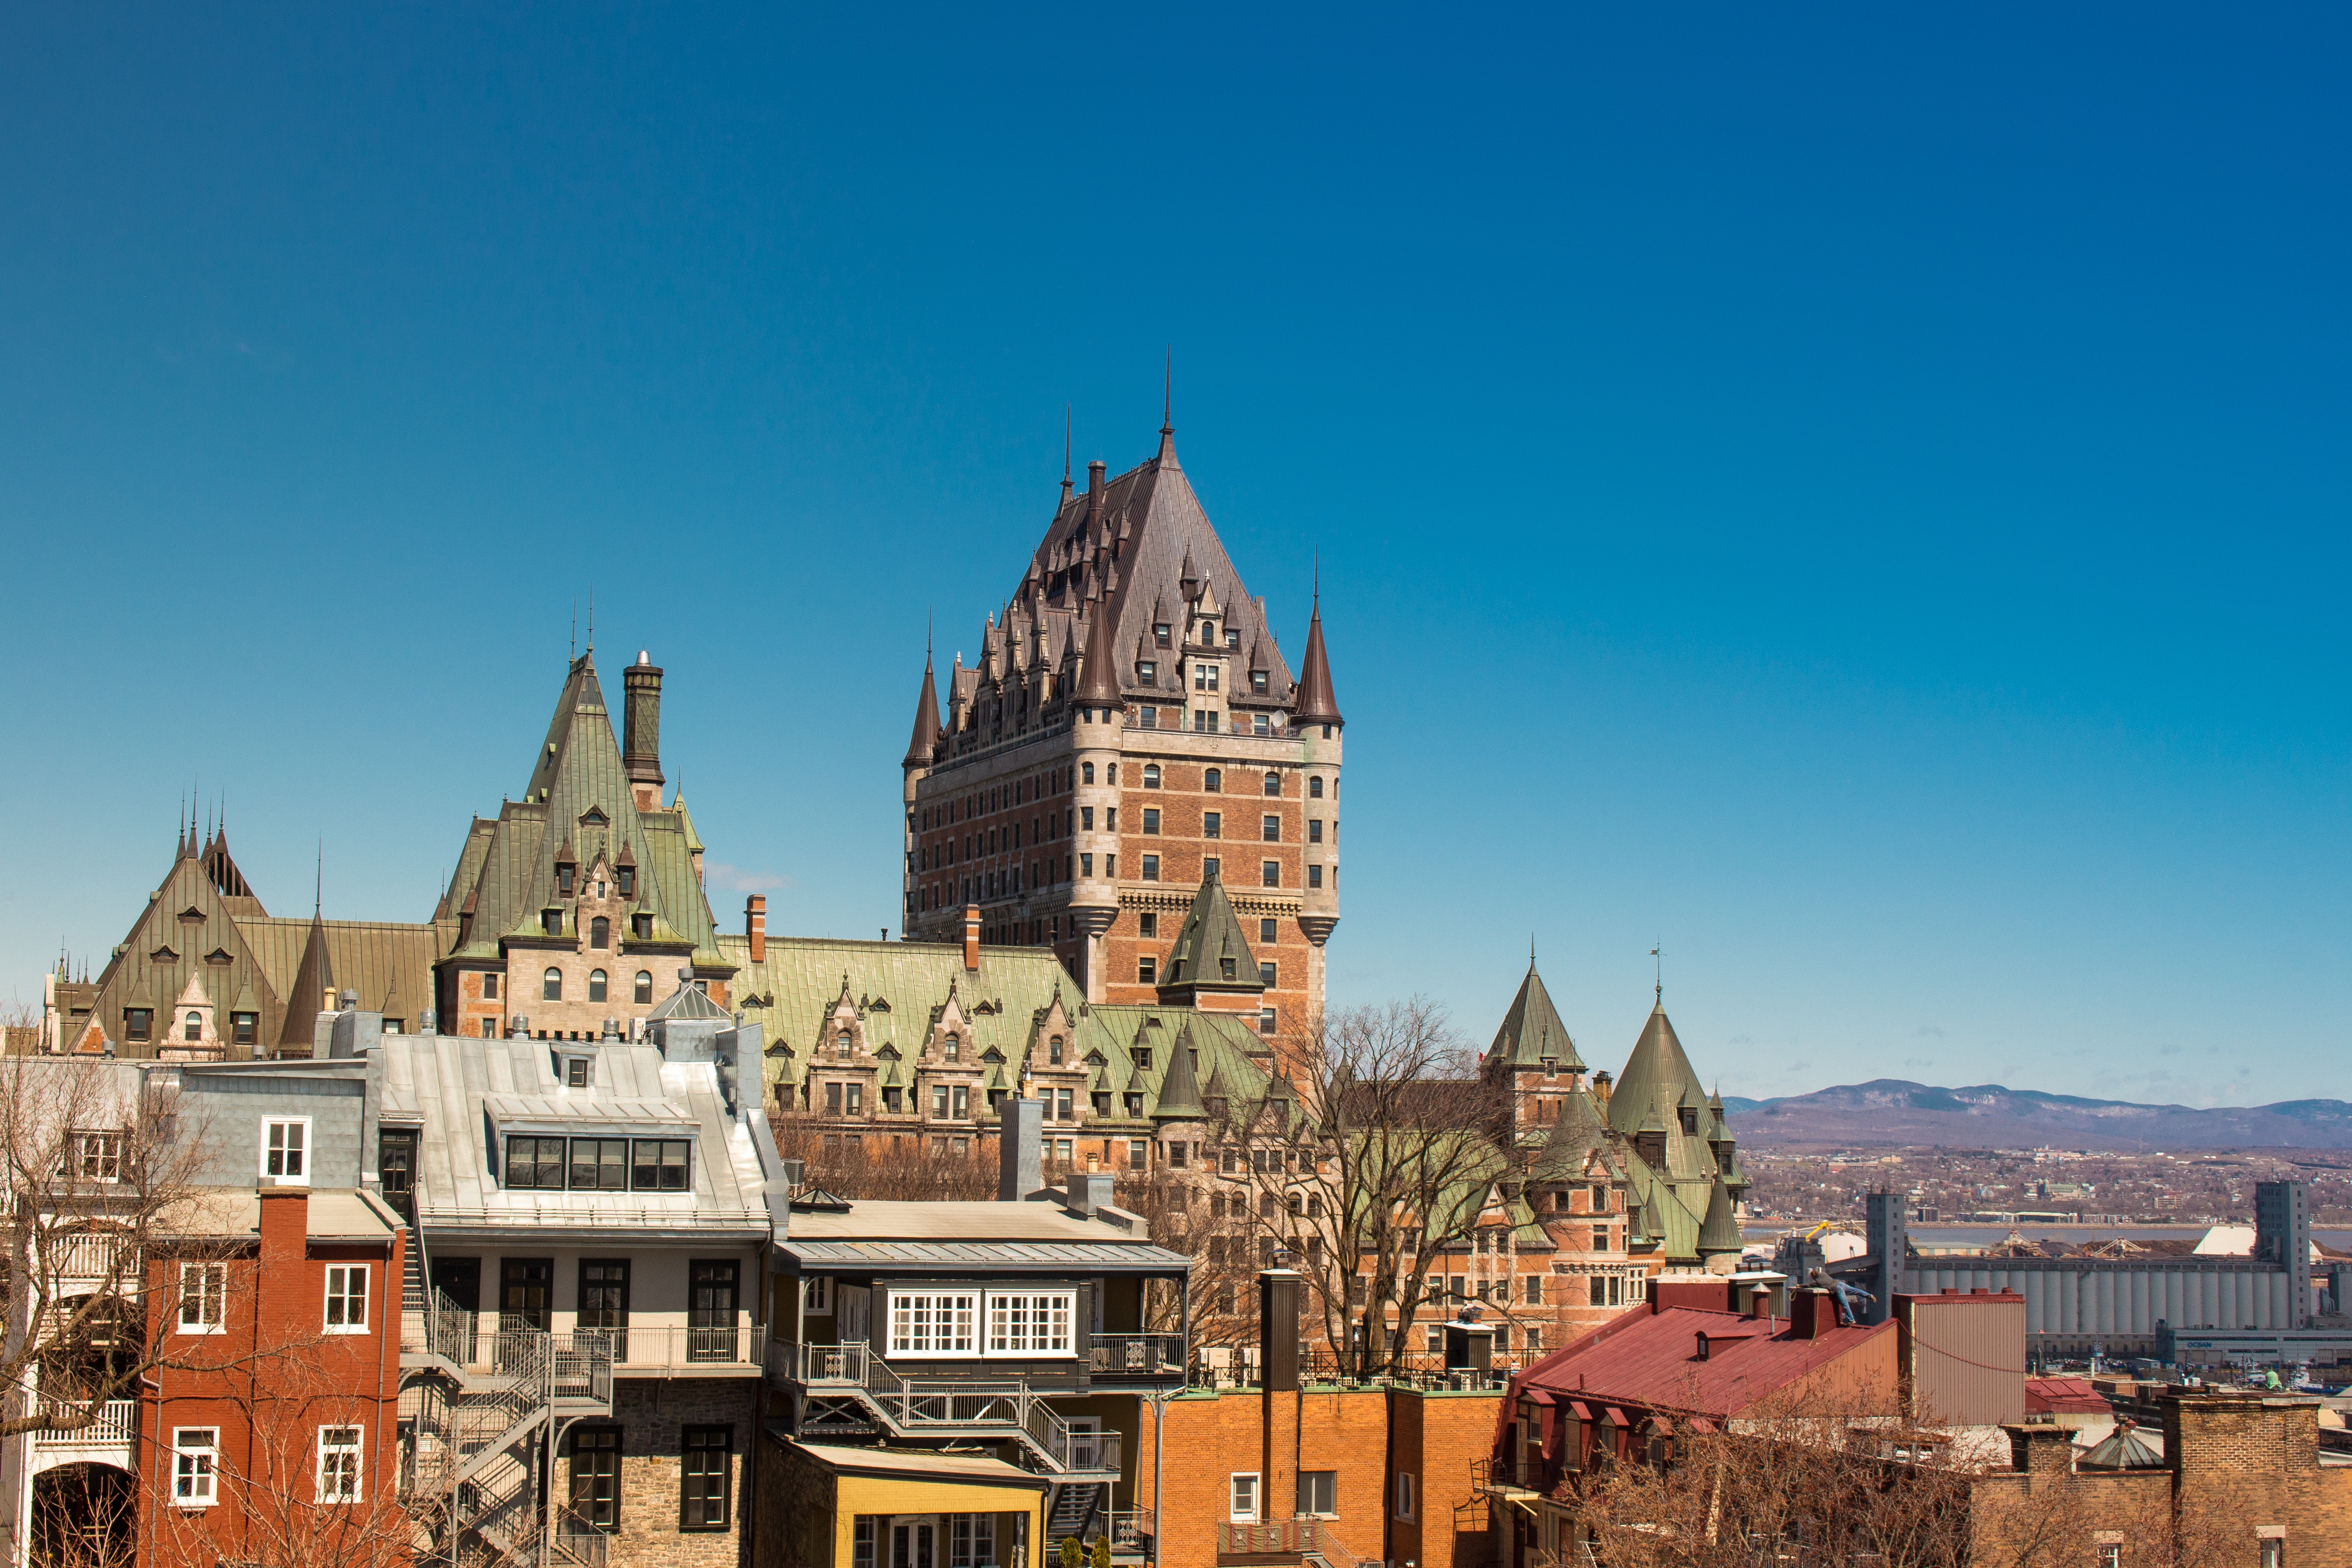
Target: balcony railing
{"x": 80, "y": 1255}
{"x": 1285, "y": 1538}
{"x": 1131, "y": 1528}
{"x": 1149, "y": 1355}
{"x": 117, "y": 1424}
{"x": 946, "y": 1406}
{"x": 472, "y": 1340}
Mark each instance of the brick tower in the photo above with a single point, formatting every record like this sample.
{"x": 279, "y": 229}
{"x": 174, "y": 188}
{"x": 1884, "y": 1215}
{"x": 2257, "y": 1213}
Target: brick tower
{"x": 1128, "y": 732}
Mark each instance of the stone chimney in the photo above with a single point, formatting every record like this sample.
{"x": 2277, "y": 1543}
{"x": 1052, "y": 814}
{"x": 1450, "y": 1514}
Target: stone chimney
{"x": 641, "y": 745}
{"x": 755, "y": 926}
{"x": 971, "y": 938}
{"x": 1020, "y": 1157}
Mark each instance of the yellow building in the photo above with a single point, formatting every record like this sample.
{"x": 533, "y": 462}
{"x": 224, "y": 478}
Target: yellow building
{"x": 831, "y": 1506}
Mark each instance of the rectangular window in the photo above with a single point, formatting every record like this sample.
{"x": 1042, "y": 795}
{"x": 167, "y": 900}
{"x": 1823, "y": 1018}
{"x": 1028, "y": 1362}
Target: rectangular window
{"x": 1022, "y": 1323}
{"x": 1269, "y": 874}
{"x": 339, "y": 1464}
{"x": 1242, "y": 1506}
{"x": 1535, "y": 1290}
{"x": 489, "y": 987}
{"x": 1087, "y": 818}
{"x": 659, "y": 1165}
{"x": 203, "y": 1297}
{"x": 1138, "y": 1151}
{"x": 285, "y": 1146}
{"x": 196, "y": 1454}
{"x": 1600, "y": 1238}
{"x": 244, "y": 1027}
{"x": 1212, "y": 824}
{"x": 703, "y": 1469}
{"x": 100, "y": 1155}
{"x": 1085, "y": 865}
{"x": 1265, "y": 975}
{"x": 1315, "y": 831}
{"x": 1147, "y": 970}
{"x": 1314, "y": 876}
{"x": 861, "y": 1541}
{"x": 600, "y": 1164}
{"x": 1152, "y": 818}
{"x": 575, "y": 1072}
{"x": 933, "y": 1323}
{"x": 1535, "y": 1338}
{"x": 891, "y": 1101}
{"x": 1146, "y": 924}
{"x": 535, "y": 1163}
{"x": 604, "y": 1301}
{"x": 1318, "y": 1493}
{"x": 1065, "y": 1105}
{"x": 1147, "y": 672}
{"x": 1149, "y": 717}
{"x": 1265, "y": 1024}
{"x": 138, "y": 1023}
{"x": 1270, "y": 830}
{"x": 961, "y": 1099}
{"x": 347, "y": 1306}
{"x": 939, "y": 1102}
{"x": 857, "y": 1099}
{"x": 1152, "y": 868}
{"x": 596, "y": 1475}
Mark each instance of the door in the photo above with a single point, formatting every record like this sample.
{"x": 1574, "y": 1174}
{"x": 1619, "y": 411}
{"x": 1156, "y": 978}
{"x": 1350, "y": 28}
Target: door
{"x": 460, "y": 1280}
{"x": 605, "y": 1299}
{"x": 523, "y": 1291}
{"x": 710, "y": 1311}
{"x": 396, "y": 1165}
{"x": 914, "y": 1540}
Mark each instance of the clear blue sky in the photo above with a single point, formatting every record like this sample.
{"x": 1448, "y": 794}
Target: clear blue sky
{"x": 1858, "y": 496}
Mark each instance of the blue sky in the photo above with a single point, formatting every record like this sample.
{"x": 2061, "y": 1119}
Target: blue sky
{"x": 1860, "y": 499}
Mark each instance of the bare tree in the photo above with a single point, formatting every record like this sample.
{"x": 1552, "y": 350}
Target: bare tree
{"x": 881, "y": 1165}
{"x": 1366, "y": 1168}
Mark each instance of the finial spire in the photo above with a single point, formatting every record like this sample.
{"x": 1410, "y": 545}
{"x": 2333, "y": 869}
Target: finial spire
{"x": 1659, "y": 973}
{"x": 572, "y": 647}
{"x": 1167, "y": 396}
{"x": 318, "y": 885}
{"x": 592, "y": 619}
{"x": 1065, "y": 452}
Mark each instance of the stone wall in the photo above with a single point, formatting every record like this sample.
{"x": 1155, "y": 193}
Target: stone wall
{"x": 651, "y": 1413}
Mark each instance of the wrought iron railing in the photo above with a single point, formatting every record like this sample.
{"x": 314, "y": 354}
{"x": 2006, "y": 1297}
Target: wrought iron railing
{"x": 1153, "y": 1355}
{"x": 1285, "y": 1538}
{"x": 1131, "y": 1528}
{"x": 938, "y": 1406}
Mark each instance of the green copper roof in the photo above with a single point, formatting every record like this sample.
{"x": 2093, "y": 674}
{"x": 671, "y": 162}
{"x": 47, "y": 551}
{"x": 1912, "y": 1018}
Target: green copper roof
{"x": 1721, "y": 1231}
{"x": 1532, "y": 1032}
{"x": 1210, "y": 939}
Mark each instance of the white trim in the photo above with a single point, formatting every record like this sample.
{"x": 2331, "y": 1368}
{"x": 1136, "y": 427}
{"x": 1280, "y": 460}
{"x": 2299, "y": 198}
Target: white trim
{"x": 342, "y": 1274}
{"x": 214, "y": 1299}
{"x": 208, "y": 1472}
{"x": 1023, "y": 1324}
{"x": 933, "y": 1325}
{"x": 1234, "y": 1513}
{"x": 300, "y": 1147}
{"x": 356, "y": 1448}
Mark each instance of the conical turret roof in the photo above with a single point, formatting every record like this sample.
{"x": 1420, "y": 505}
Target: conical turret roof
{"x": 1098, "y": 675}
{"x": 1720, "y": 1232}
{"x": 1180, "y": 1089}
{"x": 1532, "y": 1031}
{"x": 1315, "y": 703}
{"x": 926, "y": 740}
{"x": 1656, "y": 1070}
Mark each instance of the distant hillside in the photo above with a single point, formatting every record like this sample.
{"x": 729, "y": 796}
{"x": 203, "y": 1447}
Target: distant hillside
{"x": 1893, "y": 1113}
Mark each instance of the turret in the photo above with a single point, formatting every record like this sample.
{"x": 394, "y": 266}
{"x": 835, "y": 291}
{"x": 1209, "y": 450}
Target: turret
{"x": 1314, "y": 702}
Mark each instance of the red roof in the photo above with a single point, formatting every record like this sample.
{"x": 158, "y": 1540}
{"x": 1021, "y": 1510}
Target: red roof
{"x": 2064, "y": 1397}
{"x": 1651, "y": 1359}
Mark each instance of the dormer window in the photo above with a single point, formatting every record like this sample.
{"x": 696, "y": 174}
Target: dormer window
{"x": 953, "y": 1049}
{"x": 845, "y": 1045}
{"x": 600, "y": 934}
{"x": 1257, "y": 681}
{"x": 1147, "y": 671}
{"x": 564, "y": 880}
{"x": 1225, "y": 968}
{"x": 1233, "y": 638}
{"x": 641, "y": 926}
{"x": 552, "y": 922}
{"x": 1143, "y": 1059}
{"x": 1159, "y": 633}
{"x": 628, "y": 878}
{"x": 1053, "y": 1050}
{"x": 1208, "y": 633}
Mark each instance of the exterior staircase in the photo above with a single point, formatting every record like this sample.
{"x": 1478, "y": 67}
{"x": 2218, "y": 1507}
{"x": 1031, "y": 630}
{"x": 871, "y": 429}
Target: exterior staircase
{"x": 846, "y": 1389}
{"x": 475, "y": 1409}
{"x": 1072, "y": 1510}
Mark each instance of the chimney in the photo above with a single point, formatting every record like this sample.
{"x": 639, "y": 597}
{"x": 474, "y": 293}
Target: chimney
{"x": 755, "y": 926}
{"x": 1019, "y": 1168}
{"x": 641, "y": 745}
{"x": 1089, "y": 1191}
{"x": 1277, "y": 1330}
{"x": 971, "y": 938}
{"x": 1760, "y": 1302}
{"x": 1811, "y": 1314}
{"x": 285, "y": 1226}
{"x": 1094, "y": 471}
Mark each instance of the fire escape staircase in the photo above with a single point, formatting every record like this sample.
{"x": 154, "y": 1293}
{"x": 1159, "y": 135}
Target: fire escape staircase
{"x": 479, "y": 1400}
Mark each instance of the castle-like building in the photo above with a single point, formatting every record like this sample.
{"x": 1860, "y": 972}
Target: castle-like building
{"x": 1129, "y": 731}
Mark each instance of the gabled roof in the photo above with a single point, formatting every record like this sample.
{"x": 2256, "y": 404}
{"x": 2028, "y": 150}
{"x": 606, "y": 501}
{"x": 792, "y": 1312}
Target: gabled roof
{"x": 1649, "y": 1358}
{"x": 1532, "y": 1032}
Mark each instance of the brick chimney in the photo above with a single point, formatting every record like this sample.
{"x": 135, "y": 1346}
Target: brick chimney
{"x": 285, "y": 1227}
{"x": 755, "y": 926}
{"x": 1277, "y": 1360}
{"x": 971, "y": 937}
{"x": 641, "y": 745}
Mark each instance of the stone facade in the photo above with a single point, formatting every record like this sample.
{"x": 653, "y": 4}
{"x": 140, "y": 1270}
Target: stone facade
{"x": 652, "y": 1414}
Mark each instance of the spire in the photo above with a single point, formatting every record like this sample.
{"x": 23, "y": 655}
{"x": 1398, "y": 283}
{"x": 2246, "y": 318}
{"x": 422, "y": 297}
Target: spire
{"x": 1315, "y": 703}
{"x": 1097, "y": 677}
{"x": 1066, "y": 454}
{"x": 925, "y": 742}
{"x": 1166, "y": 454}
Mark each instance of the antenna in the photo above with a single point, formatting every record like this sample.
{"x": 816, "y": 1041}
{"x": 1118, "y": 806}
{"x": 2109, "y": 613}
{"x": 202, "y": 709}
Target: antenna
{"x": 1167, "y": 396}
{"x": 1065, "y": 452}
{"x": 318, "y": 888}
{"x": 575, "y": 631}
{"x": 1660, "y": 971}
{"x": 592, "y": 619}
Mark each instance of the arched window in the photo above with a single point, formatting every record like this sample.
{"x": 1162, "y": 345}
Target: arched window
{"x": 551, "y": 986}
{"x": 1315, "y": 789}
{"x": 645, "y": 984}
{"x": 600, "y": 935}
{"x": 1111, "y": 775}
{"x": 1151, "y": 776}
{"x": 195, "y": 1027}
{"x": 1087, "y": 773}
{"x": 1208, "y": 633}
{"x": 1214, "y": 781}
{"x": 595, "y": 984}
{"x": 1273, "y": 783}
{"x": 953, "y": 1045}
{"x": 846, "y": 1044}
{"x": 1054, "y": 1050}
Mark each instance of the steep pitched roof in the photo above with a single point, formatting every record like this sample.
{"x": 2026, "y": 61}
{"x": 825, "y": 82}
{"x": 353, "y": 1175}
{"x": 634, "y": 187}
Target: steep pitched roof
{"x": 1180, "y": 1091}
{"x": 1210, "y": 934}
{"x": 1316, "y": 703}
{"x": 926, "y": 740}
{"x": 1658, "y": 1068}
{"x": 1532, "y": 1032}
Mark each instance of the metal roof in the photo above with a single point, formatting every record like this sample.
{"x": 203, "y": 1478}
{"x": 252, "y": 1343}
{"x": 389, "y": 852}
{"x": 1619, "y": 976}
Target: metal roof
{"x": 995, "y": 1257}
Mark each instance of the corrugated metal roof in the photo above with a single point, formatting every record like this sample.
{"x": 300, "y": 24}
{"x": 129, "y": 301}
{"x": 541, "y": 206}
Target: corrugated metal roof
{"x": 1077, "y": 1257}
{"x": 1651, "y": 1360}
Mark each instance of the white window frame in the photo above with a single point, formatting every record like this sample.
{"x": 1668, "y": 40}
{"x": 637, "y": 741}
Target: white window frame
{"x": 355, "y": 1449}
{"x": 917, "y": 1331}
{"x": 1239, "y": 1486}
{"x": 340, "y": 1279}
{"x": 195, "y": 1464}
{"x": 1404, "y": 1496}
{"x": 210, "y": 1298}
{"x": 1025, "y": 1325}
{"x": 816, "y": 1295}
{"x": 103, "y": 1149}
{"x": 282, "y": 1176}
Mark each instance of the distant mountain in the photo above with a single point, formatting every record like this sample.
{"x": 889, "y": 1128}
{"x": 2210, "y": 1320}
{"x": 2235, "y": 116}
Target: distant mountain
{"x": 1891, "y": 1113}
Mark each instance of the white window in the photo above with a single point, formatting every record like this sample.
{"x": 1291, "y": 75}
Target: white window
{"x": 339, "y": 1464}
{"x": 933, "y": 1323}
{"x": 194, "y": 1452}
{"x": 286, "y": 1149}
{"x": 203, "y": 1297}
{"x": 347, "y": 1285}
{"x": 1404, "y": 1496}
{"x": 100, "y": 1155}
{"x": 1244, "y": 1496}
{"x": 816, "y": 1294}
{"x": 1027, "y": 1323}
